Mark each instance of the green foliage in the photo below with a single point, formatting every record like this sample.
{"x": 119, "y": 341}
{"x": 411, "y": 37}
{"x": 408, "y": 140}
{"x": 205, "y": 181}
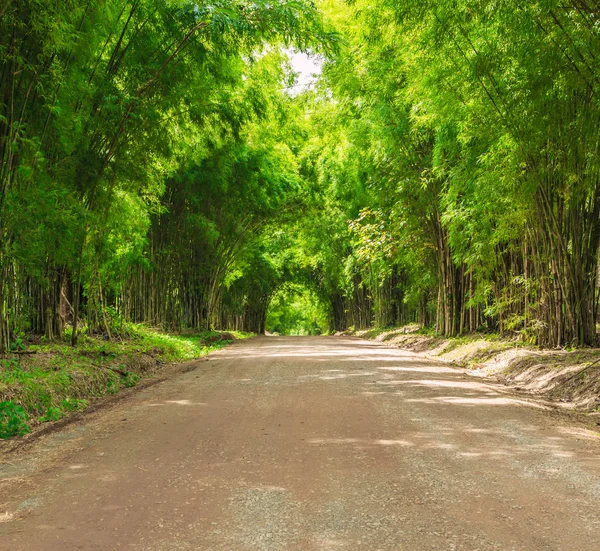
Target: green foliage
{"x": 450, "y": 135}
{"x": 130, "y": 380}
{"x": 295, "y": 310}
{"x": 52, "y": 414}
{"x": 159, "y": 166}
{"x": 106, "y": 109}
{"x": 13, "y": 420}
{"x": 73, "y": 404}
{"x": 17, "y": 344}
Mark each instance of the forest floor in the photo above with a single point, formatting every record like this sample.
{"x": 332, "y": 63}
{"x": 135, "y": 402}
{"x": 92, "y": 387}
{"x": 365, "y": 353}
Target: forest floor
{"x": 44, "y": 382}
{"x": 309, "y": 443}
{"x": 568, "y": 379}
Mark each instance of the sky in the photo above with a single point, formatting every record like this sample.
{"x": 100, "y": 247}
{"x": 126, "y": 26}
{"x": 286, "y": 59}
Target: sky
{"x": 308, "y": 69}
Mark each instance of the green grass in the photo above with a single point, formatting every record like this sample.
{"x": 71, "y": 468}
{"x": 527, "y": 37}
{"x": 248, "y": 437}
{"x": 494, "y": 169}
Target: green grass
{"x": 57, "y": 379}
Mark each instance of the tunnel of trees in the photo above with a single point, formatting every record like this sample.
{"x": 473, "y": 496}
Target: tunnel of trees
{"x": 160, "y": 164}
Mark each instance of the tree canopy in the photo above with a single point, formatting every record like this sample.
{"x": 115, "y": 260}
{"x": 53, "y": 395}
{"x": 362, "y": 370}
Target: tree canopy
{"x": 159, "y": 164}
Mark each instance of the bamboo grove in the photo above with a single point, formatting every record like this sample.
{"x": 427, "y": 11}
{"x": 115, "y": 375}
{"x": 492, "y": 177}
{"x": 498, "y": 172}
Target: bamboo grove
{"x": 108, "y": 112}
{"x": 158, "y": 164}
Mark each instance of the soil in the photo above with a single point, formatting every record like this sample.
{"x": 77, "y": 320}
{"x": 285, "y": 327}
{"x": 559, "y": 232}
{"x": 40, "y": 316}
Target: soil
{"x": 567, "y": 379}
{"x": 317, "y": 443}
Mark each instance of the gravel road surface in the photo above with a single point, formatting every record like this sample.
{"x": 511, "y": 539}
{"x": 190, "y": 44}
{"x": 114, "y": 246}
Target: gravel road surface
{"x": 317, "y": 443}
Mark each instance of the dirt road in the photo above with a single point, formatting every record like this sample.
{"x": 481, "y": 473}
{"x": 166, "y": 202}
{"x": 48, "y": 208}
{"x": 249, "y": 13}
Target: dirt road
{"x": 309, "y": 444}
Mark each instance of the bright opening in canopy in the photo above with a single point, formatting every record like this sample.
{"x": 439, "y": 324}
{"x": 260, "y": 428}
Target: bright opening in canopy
{"x": 296, "y": 310}
{"x": 307, "y": 68}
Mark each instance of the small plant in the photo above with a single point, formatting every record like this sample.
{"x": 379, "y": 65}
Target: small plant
{"x": 130, "y": 380}
{"x": 112, "y": 386}
{"x": 13, "y": 420}
{"x": 73, "y": 404}
{"x": 52, "y": 414}
{"x": 17, "y": 344}
{"x": 10, "y": 364}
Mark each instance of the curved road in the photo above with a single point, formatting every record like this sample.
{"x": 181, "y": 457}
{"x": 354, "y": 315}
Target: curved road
{"x": 325, "y": 443}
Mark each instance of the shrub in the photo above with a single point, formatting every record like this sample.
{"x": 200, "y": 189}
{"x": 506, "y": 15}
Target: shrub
{"x": 13, "y": 420}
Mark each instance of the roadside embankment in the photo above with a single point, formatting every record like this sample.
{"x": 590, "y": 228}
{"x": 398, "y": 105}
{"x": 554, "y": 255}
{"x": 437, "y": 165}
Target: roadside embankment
{"x": 569, "y": 378}
{"x": 47, "y": 381}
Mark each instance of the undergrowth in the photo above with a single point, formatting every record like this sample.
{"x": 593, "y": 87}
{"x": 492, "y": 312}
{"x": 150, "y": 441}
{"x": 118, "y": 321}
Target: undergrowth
{"x": 476, "y": 347}
{"x": 44, "y": 382}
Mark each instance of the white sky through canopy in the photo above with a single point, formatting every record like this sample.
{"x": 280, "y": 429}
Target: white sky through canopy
{"x": 308, "y": 69}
